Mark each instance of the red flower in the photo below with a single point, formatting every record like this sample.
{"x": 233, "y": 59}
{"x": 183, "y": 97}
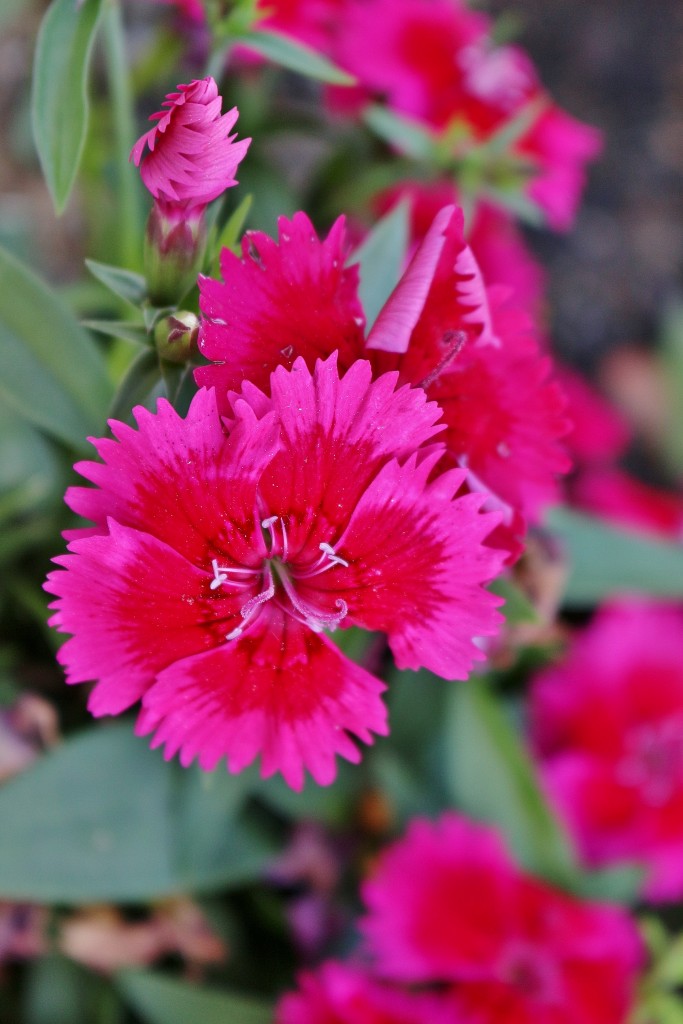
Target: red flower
{"x": 471, "y": 351}
{"x": 608, "y": 728}
{"x": 191, "y": 158}
{"x": 447, "y": 905}
{"x": 219, "y": 558}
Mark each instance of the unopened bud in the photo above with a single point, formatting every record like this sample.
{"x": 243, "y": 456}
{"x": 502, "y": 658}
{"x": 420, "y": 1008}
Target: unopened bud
{"x": 175, "y": 337}
{"x": 174, "y": 247}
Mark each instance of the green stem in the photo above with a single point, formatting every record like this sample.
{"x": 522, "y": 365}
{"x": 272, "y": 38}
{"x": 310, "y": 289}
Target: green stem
{"x": 129, "y": 212}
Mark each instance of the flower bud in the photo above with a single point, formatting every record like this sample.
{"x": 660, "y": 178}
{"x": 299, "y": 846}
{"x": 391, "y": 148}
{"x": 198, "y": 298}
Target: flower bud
{"x": 175, "y": 337}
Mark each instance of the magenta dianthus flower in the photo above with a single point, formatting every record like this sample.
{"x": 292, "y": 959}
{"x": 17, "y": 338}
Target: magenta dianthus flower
{"x": 222, "y": 553}
{"x": 511, "y": 948}
{"x": 191, "y": 156}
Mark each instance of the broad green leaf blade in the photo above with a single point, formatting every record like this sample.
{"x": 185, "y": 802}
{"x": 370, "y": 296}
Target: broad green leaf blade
{"x": 381, "y": 256}
{"x": 672, "y": 361}
{"x": 492, "y": 778}
{"x": 88, "y": 822}
{"x": 60, "y": 96}
{"x": 162, "y": 1000}
{"x": 295, "y": 56}
{"x": 125, "y": 283}
{"x": 140, "y": 382}
{"x": 52, "y": 373}
{"x": 622, "y": 883}
{"x": 517, "y": 609}
{"x": 211, "y": 848}
{"x": 606, "y": 559}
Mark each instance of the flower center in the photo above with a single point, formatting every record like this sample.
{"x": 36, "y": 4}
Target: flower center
{"x": 653, "y": 761}
{"x": 531, "y": 972}
{"x": 277, "y": 581}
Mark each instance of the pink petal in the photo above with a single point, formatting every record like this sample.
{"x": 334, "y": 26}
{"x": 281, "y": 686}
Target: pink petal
{"x": 283, "y": 692}
{"x": 280, "y": 301}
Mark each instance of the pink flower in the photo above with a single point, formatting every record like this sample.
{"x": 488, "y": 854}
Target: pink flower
{"x": 221, "y": 554}
{"x": 191, "y": 157}
{"x": 599, "y": 433}
{"x": 434, "y": 61}
{"x": 472, "y": 351}
{"x": 609, "y": 492}
{"x": 312, "y": 22}
{"x": 447, "y": 905}
{"x": 342, "y": 994}
{"x": 608, "y": 728}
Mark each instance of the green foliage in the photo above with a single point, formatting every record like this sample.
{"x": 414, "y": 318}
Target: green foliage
{"x": 103, "y": 817}
{"x": 53, "y": 375}
{"x": 381, "y": 255}
{"x": 60, "y": 95}
{"x": 162, "y": 1000}
{"x": 492, "y": 778}
{"x": 295, "y": 56}
{"x": 606, "y": 560}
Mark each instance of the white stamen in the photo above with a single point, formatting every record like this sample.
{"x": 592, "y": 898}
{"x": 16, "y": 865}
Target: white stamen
{"x": 251, "y": 607}
{"x": 328, "y": 550}
{"x": 222, "y": 573}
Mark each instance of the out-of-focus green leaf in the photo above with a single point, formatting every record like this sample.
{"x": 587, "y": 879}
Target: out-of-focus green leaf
{"x": 10, "y": 9}
{"x": 60, "y": 95}
{"x": 136, "y": 333}
{"x": 162, "y": 1000}
{"x": 139, "y": 383}
{"x": 58, "y": 991}
{"x": 52, "y": 372}
{"x": 407, "y": 136}
{"x": 381, "y": 256}
{"x": 606, "y": 559}
{"x": 126, "y": 284}
{"x": 672, "y": 361}
{"x": 295, "y": 56}
{"x": 620, "y": 884}
{"x": 517, "y": 609}
{"x": 105, "y": 818}
{"x": 492, "y": 778}
{"x": 28, "y": 467}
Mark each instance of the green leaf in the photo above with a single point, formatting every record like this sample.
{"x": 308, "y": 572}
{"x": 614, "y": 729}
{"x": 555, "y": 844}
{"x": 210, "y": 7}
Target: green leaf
{"x": 136, "y": 333}
{"x": 517, "y": 609}
{"x": 59, "y": 991}
{"x": 492, "y": 778}
{"x": 606, "y": 559}
{"x": 672, "y": 364}
{"x": 407, "y": 136}
{"x": 125, "y": 283}
{"x": 229, "y": 236}
{"x": 52, "y": 373}
{"x": 103, "y": 817}
{"x": 381, "y": 256}
{"x": 10, "y": 9}
{"x": 60, "y": 96}
{"x": 163, "y": 1000}
{"x": 140, "y": 381}
{"x": 622, "y": 883}
{"x": 295, "y": 56}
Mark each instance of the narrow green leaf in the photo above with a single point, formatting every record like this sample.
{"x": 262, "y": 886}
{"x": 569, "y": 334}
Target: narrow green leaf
{"x": 381, "y": 256}
{"x": 672, "y": 362}
{"x": 136, "y": 333}
{"x": 60, "y": 96}
{"x": 295, "y": 56}
{"x": 125, "y": 283}
{"x": 162, "y": 1000}
{"x": 52, "y": 373}
{"x": 10, "y": 10}
{"x": 492, "y": 778}
{"x": 605, "y": 559}
{"x": 407, "y": 136}
{"x": 517, "y": 609}
{"x": 229, "y": 236}
{"x": 139, "y": 382}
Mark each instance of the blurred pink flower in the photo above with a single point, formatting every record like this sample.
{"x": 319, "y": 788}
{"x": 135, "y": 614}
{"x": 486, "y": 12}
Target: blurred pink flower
{"x": 344, "y": 994}
{"x": 434, "y": 61}
{"x": 447, "y": 905}
{"x": 472, "y": 350}
{"x": 221, "y": 554}
{"x": 607, "y": 724}
{"x": 191, "y": 157}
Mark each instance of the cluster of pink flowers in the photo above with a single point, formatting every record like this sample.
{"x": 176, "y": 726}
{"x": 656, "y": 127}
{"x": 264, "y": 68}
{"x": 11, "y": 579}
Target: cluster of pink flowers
{"x": 607, "y": 725}
{"x": 471, "y": 938}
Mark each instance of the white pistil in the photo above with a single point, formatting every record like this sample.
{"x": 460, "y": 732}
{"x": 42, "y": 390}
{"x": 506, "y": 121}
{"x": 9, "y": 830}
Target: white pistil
{"x": 251, "y": 607}
{"x": 268, "y": 524}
